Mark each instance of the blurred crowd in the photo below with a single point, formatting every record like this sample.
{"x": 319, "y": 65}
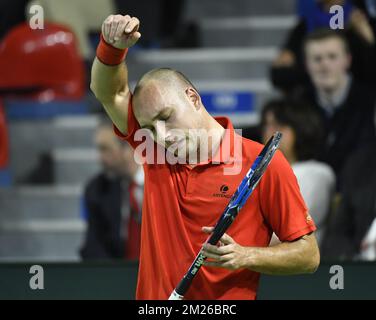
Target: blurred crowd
{"x": 327, "y": 112}
{"x": 326, "y": 81}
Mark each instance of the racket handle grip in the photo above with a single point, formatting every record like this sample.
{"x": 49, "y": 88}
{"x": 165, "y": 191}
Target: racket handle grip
{"x": 175, "y": 296}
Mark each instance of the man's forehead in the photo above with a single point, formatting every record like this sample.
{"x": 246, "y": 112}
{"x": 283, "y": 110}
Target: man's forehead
{"x": 145, "y": 115}
{"x": 152, "y": 100}
{"x": 146, "y": 95}
{"x": 324, "y": 44}
{"x": 148, "y": 90}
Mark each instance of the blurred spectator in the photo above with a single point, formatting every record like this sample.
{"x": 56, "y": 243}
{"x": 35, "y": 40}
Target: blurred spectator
{"x": 113, "y": 201}
{"x": 288, "y": 72}
{"x": 369, "y": 8}
{"x": 346, "y": 106}
{"x": 302, "y": 133}
{"x": 352, "y": 228}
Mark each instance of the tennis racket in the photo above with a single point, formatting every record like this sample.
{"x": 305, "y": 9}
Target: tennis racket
{"x": 237, "y": 201}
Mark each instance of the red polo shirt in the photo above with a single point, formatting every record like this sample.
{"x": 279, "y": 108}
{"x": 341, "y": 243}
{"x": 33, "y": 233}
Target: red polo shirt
{"x": 179, "y": 200}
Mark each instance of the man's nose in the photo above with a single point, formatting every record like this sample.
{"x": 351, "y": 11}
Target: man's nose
{"x": 325, "y": 63}
{"x": 169, "y": 138}
{"x": 172, "y": 136}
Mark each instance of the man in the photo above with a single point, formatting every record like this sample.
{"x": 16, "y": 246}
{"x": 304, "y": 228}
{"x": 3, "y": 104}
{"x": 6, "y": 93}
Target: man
{"x": 183, "y": 201}
{"x": 347, "y": 107}
{"x": 112, "y": 201}
{"x": 288, "y": 72}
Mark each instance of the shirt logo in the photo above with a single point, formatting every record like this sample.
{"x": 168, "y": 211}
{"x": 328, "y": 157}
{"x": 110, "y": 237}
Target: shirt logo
{"x": 223, "y": 192}
{"x": 223, "y": 188}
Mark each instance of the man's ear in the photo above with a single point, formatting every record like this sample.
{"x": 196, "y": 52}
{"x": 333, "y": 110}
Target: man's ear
{"x": 194, "y": 97}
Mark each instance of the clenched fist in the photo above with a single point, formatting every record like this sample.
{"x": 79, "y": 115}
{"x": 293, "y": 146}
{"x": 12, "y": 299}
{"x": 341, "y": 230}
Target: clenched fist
{"x": 121, "y": 31}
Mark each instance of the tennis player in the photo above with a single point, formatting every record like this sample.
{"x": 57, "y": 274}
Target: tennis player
{"x": 182, "y": 201}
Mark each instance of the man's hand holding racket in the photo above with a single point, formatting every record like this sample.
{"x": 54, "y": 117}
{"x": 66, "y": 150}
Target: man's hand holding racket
{"x": 228, "y": 254}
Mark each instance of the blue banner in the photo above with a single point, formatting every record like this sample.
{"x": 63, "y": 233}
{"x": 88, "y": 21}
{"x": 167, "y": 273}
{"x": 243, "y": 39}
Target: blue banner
{"x": 228, "y": 101}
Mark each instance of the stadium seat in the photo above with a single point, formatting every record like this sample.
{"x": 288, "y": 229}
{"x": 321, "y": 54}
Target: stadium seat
{"x": 42, "y": 65}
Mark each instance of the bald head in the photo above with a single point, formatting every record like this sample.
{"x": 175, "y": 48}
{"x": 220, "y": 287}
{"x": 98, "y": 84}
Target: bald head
{"x": 163, "y": 77}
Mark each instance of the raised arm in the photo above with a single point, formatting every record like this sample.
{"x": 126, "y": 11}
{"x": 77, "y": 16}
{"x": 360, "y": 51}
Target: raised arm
{"x": 109, "y": 74}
